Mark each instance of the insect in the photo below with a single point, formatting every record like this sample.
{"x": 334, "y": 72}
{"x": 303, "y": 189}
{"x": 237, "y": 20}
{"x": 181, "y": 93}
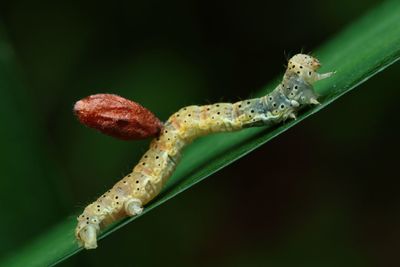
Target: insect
{"x": 128, "y": 196}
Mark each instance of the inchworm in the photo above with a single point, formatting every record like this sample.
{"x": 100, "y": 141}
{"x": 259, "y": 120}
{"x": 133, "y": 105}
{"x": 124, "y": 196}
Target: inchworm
{"x": 129, "y": 195}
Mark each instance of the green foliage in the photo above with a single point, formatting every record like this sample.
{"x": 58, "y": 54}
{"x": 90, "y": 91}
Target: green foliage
{"x": 359, "y": 52}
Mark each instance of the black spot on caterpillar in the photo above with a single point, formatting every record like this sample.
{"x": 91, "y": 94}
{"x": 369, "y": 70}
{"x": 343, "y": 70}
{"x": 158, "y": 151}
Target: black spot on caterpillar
{"x": 129, "y": 195}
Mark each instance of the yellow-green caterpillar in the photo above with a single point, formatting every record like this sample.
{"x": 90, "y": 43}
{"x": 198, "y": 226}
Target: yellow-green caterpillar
{"x": 129, "y": 195}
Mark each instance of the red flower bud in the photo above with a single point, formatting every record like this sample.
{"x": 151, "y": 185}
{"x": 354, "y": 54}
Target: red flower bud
{"x": 116, "y": 116}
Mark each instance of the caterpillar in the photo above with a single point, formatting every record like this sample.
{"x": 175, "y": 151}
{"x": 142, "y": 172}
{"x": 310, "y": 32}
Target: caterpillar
{"x": 128, "y": 196}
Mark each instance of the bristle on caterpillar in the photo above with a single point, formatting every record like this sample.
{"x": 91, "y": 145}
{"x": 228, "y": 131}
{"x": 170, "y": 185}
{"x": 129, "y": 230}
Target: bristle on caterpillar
{"x": 129, "y": 195}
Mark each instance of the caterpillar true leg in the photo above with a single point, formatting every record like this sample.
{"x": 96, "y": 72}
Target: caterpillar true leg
{"x": 128, "y": 196}
{"x": 321, "y": 76}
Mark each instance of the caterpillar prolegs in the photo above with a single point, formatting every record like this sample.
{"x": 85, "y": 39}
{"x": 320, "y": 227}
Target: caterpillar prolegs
{"x": 128, "y": 196}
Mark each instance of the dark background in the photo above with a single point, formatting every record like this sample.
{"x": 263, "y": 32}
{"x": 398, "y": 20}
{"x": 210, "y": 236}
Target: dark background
{"x": 335, "y": 204}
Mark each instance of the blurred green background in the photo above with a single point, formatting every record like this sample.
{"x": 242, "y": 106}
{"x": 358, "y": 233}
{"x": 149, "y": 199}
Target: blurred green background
{"x": 333, "y": 202}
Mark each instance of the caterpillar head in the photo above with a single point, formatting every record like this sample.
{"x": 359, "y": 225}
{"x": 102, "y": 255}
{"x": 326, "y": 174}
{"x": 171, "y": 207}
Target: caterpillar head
{"x": 304, "y": 61}
{"x": 304, "y": 66}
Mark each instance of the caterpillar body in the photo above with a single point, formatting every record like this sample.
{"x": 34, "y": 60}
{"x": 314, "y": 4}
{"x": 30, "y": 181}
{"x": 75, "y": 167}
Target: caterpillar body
{"x": 128, "y": 196}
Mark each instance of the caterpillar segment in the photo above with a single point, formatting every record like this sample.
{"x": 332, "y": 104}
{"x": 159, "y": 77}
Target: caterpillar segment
{"x": 128, "y": 196}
